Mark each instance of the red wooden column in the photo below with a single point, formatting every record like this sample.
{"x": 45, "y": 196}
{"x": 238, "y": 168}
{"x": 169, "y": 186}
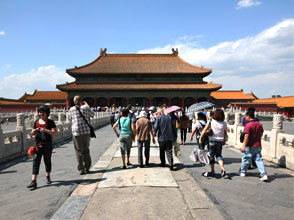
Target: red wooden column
{"x": 128, "y": 101}
{"x": 150, "y": 101}
{"x": 67, "y": 103}
{"x": 169, "y": 101}
{"x": 183, "y": 101}
{"x": 108, "y": 101}
{"x": 95, "y": 102}
{"x": 196, "y": 99}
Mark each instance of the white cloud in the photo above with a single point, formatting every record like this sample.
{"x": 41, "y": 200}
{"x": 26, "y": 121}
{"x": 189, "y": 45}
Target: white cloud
{"x": 267, "y": 59}
{"x": 43, "y": 78}
{"x": 247, "y": 3}
{"x": 7, "y": 66}
{"x": 2, "y": 33}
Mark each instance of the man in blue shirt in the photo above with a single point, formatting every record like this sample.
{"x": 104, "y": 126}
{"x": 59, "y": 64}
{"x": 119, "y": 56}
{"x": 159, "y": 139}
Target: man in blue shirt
{"x": 167, "y": 134}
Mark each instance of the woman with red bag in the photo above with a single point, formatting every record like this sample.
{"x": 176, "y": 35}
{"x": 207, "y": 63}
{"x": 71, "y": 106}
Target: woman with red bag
{"x": 44, "y": 129}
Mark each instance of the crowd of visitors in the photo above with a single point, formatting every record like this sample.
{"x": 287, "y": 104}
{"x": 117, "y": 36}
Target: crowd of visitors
{"x": 145, "y": 124}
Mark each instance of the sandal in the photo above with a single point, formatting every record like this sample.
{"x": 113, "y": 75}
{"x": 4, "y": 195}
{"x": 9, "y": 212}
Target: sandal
{"x": 207, "y": 174}
{"x": 48, "y": 180}
{"x": 129, "y": 163}
{"x": 223, "y": 173}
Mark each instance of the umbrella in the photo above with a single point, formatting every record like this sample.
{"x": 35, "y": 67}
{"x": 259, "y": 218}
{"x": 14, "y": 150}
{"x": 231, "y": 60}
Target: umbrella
{"x": 171, "y": 109}
{"x": 198, "y": 106}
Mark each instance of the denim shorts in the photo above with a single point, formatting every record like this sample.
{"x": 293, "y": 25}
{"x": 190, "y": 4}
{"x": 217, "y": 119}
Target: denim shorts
{"x": 215, "y": 150}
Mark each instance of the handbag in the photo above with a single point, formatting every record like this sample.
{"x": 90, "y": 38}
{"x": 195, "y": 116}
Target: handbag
{"x": 242, "y": 136}
{"x": 209, "y": 131}
{"x": 93, "y": 135}
{"x": 207, "y": 134}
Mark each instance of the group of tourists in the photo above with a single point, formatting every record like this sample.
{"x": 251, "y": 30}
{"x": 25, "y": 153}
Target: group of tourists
{"x": 140, "y": 126}
{"x": 145, "y": 125}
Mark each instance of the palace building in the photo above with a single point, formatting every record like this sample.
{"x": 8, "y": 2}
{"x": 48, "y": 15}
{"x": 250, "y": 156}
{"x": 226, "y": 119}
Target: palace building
{"x": 139, "y": 79}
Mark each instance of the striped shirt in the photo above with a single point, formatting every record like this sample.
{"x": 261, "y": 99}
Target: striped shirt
{"x": 78, "y": 124}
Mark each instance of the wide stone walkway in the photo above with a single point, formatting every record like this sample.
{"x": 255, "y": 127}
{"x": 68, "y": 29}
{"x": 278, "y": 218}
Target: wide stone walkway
{"x": 110, "y": 192}
{"x": 153, "y": 192}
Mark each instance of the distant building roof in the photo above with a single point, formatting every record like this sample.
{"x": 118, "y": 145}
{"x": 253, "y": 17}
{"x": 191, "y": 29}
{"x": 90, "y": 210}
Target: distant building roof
{"x": 9, "y": 102}
{"x": 75, "y": 86}
{"x": 44, "y": 95}
{"x": 282, "y": 102}
{"x": 233, "y": 95}
{"x": 138, "y": 63}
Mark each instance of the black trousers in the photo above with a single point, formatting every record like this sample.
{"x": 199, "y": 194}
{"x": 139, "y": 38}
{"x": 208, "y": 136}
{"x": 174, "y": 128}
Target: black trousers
{"x": 146, "y": 144}
{"x": 183, "y": 134}
{"x": 166, "y": 147}
{"x": 46, "y": 152}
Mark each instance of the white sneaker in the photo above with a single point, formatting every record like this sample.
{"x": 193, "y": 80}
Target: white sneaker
{"x": 264, "y": 178}
{"x": 243, "y": 174}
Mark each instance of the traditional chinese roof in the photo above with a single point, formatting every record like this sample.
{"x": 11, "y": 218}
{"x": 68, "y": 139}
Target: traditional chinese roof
{"x": 10, "y": 101}
{"x": 282, "y": 102}
{"x": 44, "y": 95}
{"x": 75, "y": 86}
{"x": 138, "y": 63}
{"x": 233, "y": 95}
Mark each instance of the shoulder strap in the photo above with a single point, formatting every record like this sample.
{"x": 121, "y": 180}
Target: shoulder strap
{"x": 83, "y": 116}
{"x": 201, "y": 124}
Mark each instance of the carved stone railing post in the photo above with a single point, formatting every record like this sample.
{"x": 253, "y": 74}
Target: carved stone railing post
{"x": 236, "y": 125}
{"x": 67, "y": 117}
{"x": 20, "y": 126}
{"x": 1, "y": 144}
{"x": 277, "y": 128}
{"x": 227, "y": 117}
{"x": 60, "y": 118}
{"x": 237, "y": 118}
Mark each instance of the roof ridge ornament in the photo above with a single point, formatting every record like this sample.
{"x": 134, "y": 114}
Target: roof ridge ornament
{"x": 175, "y": 51}
{"x": 103, "y": 52}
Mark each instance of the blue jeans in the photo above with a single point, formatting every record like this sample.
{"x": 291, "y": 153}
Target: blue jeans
{"x": 253, "y": 153}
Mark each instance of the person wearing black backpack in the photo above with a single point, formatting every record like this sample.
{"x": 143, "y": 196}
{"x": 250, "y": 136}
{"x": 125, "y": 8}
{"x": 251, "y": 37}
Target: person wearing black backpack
{"x": 200, "y": 125}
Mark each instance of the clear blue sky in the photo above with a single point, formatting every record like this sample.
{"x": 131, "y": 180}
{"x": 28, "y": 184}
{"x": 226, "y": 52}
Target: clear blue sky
{"x": 65, "y": 33}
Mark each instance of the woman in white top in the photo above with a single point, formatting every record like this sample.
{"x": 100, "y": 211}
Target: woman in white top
{"x": 217, "y": 139}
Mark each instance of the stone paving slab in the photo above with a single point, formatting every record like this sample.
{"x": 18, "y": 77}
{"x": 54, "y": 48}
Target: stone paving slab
{"x": 137, "y": 203}
{"x": 115, "y": 176}
{"x": 73, "y": 208}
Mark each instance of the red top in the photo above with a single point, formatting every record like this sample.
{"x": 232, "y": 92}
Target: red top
{"x": 254, "y": 130}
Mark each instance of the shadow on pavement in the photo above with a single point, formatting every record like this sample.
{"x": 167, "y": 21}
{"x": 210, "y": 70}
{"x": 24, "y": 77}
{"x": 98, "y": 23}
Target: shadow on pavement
{"x": 195, "y": 165}
{"x": 230, "y": 160}
{"x": 58, "y": 183}
{"x": 6, "y": 172}
{"x": 272, "y": 178}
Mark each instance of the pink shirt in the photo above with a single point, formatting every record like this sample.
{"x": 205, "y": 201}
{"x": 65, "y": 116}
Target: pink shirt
{"x": 254, "y": 130}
